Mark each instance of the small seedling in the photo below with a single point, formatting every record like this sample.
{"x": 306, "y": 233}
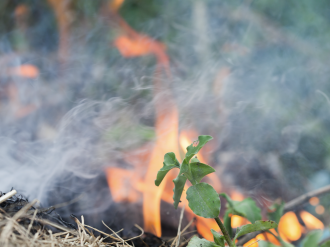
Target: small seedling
{"x": 204, "y": 201}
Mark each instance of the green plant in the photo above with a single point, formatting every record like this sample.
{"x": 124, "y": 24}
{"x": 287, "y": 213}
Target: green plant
{"x": 204, "y": 201}
{"x": 311, "y": 239}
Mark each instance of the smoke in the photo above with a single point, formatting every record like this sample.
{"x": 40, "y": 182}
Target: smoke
{"x": 250, "y": 74}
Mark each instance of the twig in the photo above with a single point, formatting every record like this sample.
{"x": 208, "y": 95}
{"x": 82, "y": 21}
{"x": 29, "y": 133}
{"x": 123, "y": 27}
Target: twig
{"x": 186, "y": 241}
{"x": 305, "y": 197}
{"x": 184, "y": 229}
{"x": 7, "y": 196}
{"x": 177, "y": 239}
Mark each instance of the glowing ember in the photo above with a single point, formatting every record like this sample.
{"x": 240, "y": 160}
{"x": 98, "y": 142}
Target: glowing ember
{"x": 314, "y": 201}
{"x": 310, "y": 221}
{"x": 319, "y": 209}
{"x": 289, "y": 227}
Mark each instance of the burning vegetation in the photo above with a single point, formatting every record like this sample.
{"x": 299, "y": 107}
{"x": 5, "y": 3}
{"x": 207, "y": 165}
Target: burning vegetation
{"x": 100, "y": 98}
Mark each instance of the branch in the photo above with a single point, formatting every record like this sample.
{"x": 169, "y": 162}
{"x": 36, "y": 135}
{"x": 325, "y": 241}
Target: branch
{"x": 289, "y": 206}
{"x": 305, "y": 197}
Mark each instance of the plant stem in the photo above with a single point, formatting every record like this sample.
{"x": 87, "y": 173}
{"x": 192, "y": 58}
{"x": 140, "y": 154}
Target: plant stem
{"x": 225, "y": 233}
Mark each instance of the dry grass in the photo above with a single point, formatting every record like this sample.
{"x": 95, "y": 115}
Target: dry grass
{"x": 15, "y": 232}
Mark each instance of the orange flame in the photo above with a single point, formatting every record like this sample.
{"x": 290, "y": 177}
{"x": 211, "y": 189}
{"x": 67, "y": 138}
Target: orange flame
{"x": 166, "y": 131}
{"x": 289, "y": 227}
{"x": 25, "y": 70}
{"x": 120, "y": 183}
{"x": 114, "y": 5}
{"x": 132, "y": 44}
{"x": 254, "y": 241}
{"x": 310, "y": 221}
{"x": 137, "y": 46}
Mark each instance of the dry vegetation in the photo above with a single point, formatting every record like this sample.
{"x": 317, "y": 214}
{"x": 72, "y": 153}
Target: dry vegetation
{"x": 27, "y": 228}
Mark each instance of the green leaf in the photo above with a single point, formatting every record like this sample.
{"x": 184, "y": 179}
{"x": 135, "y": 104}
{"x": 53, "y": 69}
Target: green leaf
{"x": 204, "y": 200}
{"x": 200, "y": 242}
{"x": 325, "y": 244}
{"x": 312, "y": 239}
{"x": 266, "y": 244}
{"x": 227, "y": 223}
{"x": 277, "y": 212}
{"x": 199, "y": 170}
{"x": 260, "y": 225}
{"x": 169, "y": 163}
{"x": 246, "y": 208}
{"x": 195, "y": 159}
{"x": 218, "y": 238}
{"x": 286, "y": 244}
{"x": 228, "y": 199}
{"x": 196, "y": 146}
{"x": 179, "y": 183}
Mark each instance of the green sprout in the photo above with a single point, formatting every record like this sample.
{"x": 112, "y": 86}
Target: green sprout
{"x": 204, "y": 201}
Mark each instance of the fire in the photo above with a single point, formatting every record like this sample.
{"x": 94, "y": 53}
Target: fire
{"x": 254, "y": 241}
{"x": 25, "y": 70}
{"x": 114, "y": 5}
{"x": 289, "y": 227}
{"x": 137, "y": 46}
{"x": 133, "y": 44}
{"x": 271, "y": 238}
{"x": 310, "y": 221}
{"x": 166, "y": 131}
{"x": 120, "y": 183}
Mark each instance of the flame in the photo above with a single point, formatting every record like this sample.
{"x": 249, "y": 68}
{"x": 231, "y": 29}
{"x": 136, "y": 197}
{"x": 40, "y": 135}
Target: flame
{"x": 115, "y": 5}
{"x": 310, "y": 221}
{"x": 166, "y": 131}
{"x": 137, "y": 46}
{"x": 254, "y": 241}
{"x": 289, "y": 227}
{"x": 133, "y": 44}
{"x": 120, "y": 183}
{"x": 25, "y": 70}
{"x": 204, "y": 225}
